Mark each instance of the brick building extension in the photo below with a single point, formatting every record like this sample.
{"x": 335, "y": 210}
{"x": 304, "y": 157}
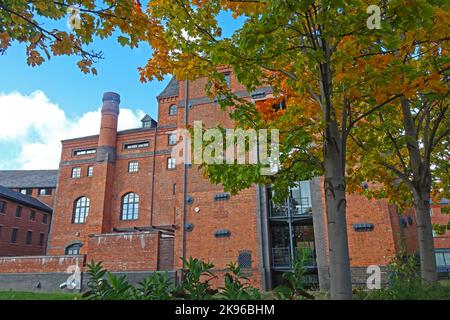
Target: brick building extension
{"x": 24, "y": 224}
{"x": 122, "y": 199}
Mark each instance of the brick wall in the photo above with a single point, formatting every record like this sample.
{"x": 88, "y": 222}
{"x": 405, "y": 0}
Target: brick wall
{"x": 125, "y": 251}
{"x": 441, "y": 241}
{"x": 39, "y": 264}
{"x": 8, "y": 221}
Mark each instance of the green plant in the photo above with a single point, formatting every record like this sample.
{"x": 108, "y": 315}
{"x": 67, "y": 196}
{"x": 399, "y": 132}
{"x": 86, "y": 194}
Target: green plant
{"x": 193, "y": 287}
{"x": 295, "y": 287}
{"x": 405, "y": 283}
{"x": 103, "y": 285}
{"x": 237, "y": 287}
{"x": 158, "y": 286}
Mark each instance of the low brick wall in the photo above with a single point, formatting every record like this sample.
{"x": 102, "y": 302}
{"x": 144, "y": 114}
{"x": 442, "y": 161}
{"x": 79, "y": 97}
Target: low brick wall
{"x": 32, "y": 264}
{"x": 134, "y": 255}
{"x": 134, "y": 251}
{"x": 37, "y": 273}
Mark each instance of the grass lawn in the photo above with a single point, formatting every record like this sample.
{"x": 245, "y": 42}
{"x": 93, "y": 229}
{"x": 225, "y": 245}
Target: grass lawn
{"x": 16, "y": 295}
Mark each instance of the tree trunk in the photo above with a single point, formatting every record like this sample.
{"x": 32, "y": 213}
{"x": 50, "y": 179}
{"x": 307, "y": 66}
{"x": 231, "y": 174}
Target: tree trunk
{"x": 425, "y": 234}
{"x": 334, "y": 185}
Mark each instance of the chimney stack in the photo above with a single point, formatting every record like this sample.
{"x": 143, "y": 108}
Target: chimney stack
{"x": 106, "y": 150}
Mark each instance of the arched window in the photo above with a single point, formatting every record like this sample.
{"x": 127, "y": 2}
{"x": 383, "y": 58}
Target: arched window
{"x": 80, "y": 210}
{"x": 172, "y": 110}
{"x": 73, "y": 249}
{"x": 130, "y": 206}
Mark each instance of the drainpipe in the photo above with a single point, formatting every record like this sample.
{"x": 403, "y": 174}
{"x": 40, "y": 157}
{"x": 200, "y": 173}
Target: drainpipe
{"x": 186, "y": 110}
{"x": 291, "y": 241}
{"x": 153, "y": 176}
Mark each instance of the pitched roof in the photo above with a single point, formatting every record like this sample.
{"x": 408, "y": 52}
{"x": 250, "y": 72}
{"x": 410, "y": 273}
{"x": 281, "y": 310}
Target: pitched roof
{"x": 172, "y": 89}
{"x": 28, "y": 178}
{"x": 146, "y": 118}
{"x": 24, "y": 199}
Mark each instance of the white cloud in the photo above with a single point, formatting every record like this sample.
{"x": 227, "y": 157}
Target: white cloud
{"x": 37, "y": 126}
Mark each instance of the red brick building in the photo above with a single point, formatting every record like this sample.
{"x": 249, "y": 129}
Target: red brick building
{"x": 39, "y": 184}
{"x": 24, "y": 224}
{"x": 122, "y": 199}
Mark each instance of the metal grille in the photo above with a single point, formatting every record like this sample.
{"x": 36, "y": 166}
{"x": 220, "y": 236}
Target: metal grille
{"x": 245, "y": 260}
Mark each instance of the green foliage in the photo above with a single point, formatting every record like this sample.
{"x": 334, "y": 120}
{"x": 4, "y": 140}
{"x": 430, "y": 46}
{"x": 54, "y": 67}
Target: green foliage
{"x": 406, "y": 284}
{"x": 237, "y": 287}
{"x": 37, "y": 24}
{"x": 103, "y": 285}
{"x": 295, "y": 287}
{"x": 193, "y": 287}
{"x": 158, "y": 286}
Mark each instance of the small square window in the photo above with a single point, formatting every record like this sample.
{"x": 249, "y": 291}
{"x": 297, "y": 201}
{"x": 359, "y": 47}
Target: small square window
{"x": 76, "y": 172}
{"x": 29, "y": 237}
{"x": 26, "y": 191}
{"x": 32, "y": 215}
{"x": 44, "y": 218}
{"x": 2, "y": 206}
{"x": 172, "y": 139}
{"x": 90, "y": 171}
{"x": 133, "y": 166}
{"x": 171, "y": 163}
{"x": 14, "y": 234}
{"x": 18, "y": 211}
{"x": 41, "y": 239}
{"x": 45, "y": 192}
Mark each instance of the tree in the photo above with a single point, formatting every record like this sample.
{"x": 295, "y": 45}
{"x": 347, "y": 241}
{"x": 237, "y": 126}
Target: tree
{"x": 44, "y": 27}
{"x": 321, "y": 57}
{"x": 409, "y": 156}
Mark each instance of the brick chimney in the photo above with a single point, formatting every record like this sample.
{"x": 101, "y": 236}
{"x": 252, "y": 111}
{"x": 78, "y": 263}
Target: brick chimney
{"x": 99, "y": 220}
{"x": 106, "y": 150}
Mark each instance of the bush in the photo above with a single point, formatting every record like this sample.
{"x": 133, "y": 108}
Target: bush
{"x": 103, "y": 285}
{"x": 406, "y": 284}
{"x": 295, "y": 287}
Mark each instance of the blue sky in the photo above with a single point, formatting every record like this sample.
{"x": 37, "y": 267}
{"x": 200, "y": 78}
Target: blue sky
{"x": 42, "y": 105}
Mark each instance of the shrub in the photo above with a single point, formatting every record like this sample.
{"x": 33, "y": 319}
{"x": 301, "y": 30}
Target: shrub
{"x": 104, "y": 285}
{"x": 295, "y": 288}
{"x": 405, "y": 283}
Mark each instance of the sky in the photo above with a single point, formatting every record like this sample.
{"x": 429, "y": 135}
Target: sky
{"x": 40, "y": 106}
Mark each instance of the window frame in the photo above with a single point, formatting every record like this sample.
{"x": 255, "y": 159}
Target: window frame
{"x": 76, "y": 169}
{"x": 136, "y": 145}
{"x": 18, "y": 213}
{"x": 49, "y": 193}
{"x": 173, "y": 107}
{"x": 3, "y": 206}
{"x": 84, "y": 152}
{"x": 171, "y": 163}
{"x": 129, "y": 201}
{"x": 32, "y": 216}
{"x": 29, "y": 238}
{"x": 133, "y": 166}
{"x": 28, "y": 191}
{"x": 169, "y": 141}
{"x": 227, "y": 76}
{"x": 73, "y": 249}
{"x": 14, "y": 235}
{"x": 41, "y": 239}
{"x": 83, "y": 209}
{"x": 90, "y": 171}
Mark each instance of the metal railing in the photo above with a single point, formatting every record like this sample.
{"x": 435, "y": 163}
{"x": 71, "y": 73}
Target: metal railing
{"x": 281, "y": 258}
{"x": 297, "y": 207}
